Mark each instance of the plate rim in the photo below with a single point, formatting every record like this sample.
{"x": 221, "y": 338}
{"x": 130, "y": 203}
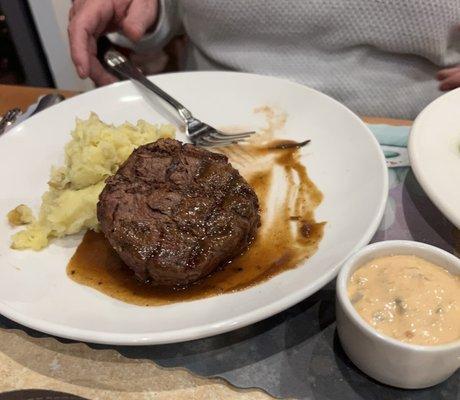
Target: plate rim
{"x": 417, "y": 164}
{"x": 230, "y": 324}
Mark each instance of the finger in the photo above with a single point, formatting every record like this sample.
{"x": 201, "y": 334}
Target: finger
{"x": 452, "y": 82}
{"x": 76, "y": 7}
{"x": 72, "y": 12}
{"x": 446, "y": 72}
{"x": 140, "y": 16}
{"x": 78, "y": 50}
{"x": 87, "y": 24}
{"x": 99, "y": 75}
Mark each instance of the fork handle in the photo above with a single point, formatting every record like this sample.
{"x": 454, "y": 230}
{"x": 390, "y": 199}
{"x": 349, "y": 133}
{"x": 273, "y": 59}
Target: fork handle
{"x": 129, "y": 71}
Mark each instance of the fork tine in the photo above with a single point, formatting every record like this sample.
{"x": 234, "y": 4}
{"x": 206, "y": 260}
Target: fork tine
{"x": 218, "y": 145}
{"x": 221, "y": 135}
{"x": 226, "y": 137}
{"x": 207, "y": 141}
{"x": 212, "y": 139}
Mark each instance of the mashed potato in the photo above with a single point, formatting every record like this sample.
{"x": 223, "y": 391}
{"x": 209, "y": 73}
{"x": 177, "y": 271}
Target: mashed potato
{"x": 21, "y": 215}
{"x": 94, "y": 153}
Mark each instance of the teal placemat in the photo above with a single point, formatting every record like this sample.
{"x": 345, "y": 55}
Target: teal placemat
{"x": 389, "y": 135}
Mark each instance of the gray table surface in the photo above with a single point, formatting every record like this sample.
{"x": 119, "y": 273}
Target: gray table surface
{"x": 296, "y": 354}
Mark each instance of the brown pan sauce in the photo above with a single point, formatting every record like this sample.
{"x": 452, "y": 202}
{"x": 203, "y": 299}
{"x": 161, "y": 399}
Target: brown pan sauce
{"x": 288, "y": 235}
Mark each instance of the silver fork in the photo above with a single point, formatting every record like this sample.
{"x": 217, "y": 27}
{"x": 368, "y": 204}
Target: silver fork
{"x": 198, "y": 132}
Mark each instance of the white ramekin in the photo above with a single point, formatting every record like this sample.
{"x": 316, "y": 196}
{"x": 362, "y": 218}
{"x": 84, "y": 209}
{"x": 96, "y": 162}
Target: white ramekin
{"x": 383, "y": 358}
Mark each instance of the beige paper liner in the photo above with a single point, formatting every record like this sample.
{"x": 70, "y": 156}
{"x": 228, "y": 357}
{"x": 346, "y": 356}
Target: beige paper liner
{"x": 45, "y": 363}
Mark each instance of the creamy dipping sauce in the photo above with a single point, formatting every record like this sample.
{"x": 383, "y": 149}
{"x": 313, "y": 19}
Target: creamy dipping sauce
{"x": 408, "y": 298}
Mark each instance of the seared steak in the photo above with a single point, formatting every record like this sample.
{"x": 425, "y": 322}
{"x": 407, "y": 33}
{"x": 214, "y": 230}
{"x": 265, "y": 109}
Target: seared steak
{"x": 175, "y": 212}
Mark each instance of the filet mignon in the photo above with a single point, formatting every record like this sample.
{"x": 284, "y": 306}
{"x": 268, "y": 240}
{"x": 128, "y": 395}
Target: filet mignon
{"x": 175, "y": 212}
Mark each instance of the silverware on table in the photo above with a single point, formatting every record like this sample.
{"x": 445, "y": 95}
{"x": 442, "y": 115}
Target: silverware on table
{"x": 47, "y": 101}
{"x": 8, "y": 119}
{"x": 199, "y": 133}
{"x": 15, "y": 115}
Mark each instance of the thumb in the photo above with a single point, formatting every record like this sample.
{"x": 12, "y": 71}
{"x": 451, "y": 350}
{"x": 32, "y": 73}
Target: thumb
{"x": 140, "y": 16}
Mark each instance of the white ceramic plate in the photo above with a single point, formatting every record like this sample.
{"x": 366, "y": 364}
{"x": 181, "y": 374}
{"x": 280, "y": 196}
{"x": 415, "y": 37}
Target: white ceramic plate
{"x": 343, "y": 159}
{"x": 434, "y": 151}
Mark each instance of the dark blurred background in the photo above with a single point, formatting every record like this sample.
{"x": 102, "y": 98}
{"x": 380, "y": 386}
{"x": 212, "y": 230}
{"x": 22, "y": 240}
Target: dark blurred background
{"x": 10, "y": 68}
{"x": 22, "y": 60}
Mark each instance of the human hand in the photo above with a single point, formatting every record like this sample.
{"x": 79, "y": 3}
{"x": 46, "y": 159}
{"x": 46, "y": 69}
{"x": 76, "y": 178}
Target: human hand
{"x": 449, "y": 78}
{"x": 89, "y": 19}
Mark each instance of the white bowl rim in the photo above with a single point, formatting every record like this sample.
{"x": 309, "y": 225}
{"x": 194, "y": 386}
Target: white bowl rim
{"x": 206, "y": 330}
{"x": 342, "y": 295}
{"x": 416, "y": 162}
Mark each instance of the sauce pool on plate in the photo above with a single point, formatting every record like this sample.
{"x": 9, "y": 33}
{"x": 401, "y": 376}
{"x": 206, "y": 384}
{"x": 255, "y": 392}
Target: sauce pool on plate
{"x": 408, "y": 298}
{"x": 283, "y": 241}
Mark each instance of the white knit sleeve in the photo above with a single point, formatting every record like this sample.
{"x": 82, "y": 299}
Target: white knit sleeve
{"x": 167, "y": 26}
